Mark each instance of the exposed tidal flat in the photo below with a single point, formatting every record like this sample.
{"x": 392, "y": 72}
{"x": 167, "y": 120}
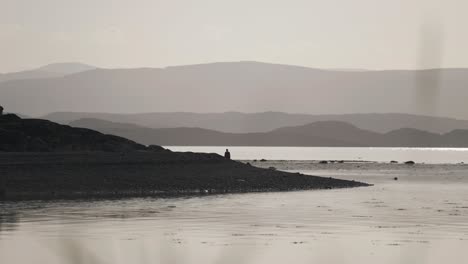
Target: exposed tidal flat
{"x": 140, "y": 173}
{"x": 422, "y": 217}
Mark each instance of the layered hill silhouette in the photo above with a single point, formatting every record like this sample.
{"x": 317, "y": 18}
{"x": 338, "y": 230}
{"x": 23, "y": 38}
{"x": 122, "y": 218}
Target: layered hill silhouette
{"x": 48, "y": 71}
{"x": 35, "y": 135}
{"x": 236, "y": 122}
{"x": 243, "y": 86}
{"x": 322, "y": 133}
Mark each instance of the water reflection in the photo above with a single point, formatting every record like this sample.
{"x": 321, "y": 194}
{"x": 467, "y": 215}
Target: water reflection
{"x": 420, "y": 216}
{"x": 8, "y": 219}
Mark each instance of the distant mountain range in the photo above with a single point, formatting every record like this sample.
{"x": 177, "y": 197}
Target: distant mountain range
{"x": 322, "y": 133}
{"x": 48, "y": 71}
{"x": 234, "y": 122}
{"x": 242, "y": 86}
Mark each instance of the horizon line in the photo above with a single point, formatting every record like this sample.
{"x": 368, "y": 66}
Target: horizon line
{"x": 245, "y": 113}
{"x": 338, "y": 69}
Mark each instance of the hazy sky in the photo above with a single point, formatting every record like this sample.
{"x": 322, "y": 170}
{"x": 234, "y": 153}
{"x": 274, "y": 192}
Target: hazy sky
{"x": 374, "y": 34}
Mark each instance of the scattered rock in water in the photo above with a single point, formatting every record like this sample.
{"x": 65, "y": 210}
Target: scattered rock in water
{"x": 393, "y": 161}
{"x": 323, "y": 162}
{"x": 298, "y": 242}
{"x": 271, "y": 168}
{"x": 410, "y": 162}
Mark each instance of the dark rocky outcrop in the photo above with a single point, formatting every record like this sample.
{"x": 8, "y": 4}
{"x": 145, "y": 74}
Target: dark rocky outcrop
{"x": 36, "y": 135}
{"x": 40, "y": 159}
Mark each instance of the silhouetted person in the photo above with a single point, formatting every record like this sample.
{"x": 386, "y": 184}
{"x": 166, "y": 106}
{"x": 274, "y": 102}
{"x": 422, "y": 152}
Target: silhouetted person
{"x": 1, "y": 110}
{"x": 227, "y": 155}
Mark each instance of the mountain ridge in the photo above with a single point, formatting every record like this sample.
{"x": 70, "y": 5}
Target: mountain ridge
{"x": 237, "y": 122}
{"x": 243, "y": 86}
{"x": 52, "y": 70}
{"x": 323, "y": 134}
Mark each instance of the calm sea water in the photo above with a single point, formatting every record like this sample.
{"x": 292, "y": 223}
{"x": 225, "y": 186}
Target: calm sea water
{"x": 420, "y": 218}
{"x": 427, "y": 155}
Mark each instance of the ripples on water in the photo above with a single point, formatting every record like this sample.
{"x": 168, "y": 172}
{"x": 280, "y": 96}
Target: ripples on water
{"x": 421, "y": 218}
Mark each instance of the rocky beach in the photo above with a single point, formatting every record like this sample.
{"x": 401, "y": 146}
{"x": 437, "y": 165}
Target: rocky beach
{"x": 42, "y": 159}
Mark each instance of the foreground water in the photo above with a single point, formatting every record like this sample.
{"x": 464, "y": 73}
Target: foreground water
{"x": 427, "y": 155}
{"x": 420, "y": 218}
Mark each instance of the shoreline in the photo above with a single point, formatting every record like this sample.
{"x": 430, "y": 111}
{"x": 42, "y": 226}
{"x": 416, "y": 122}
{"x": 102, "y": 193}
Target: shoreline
{"x": 47, "y": 196}
{"x": 143, "y": 173}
